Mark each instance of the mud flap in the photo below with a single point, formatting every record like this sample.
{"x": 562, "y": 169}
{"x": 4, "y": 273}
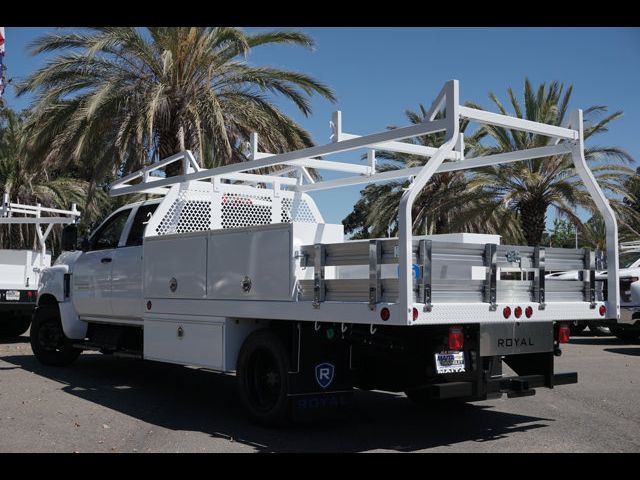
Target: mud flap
{"x": 321, "y": 383}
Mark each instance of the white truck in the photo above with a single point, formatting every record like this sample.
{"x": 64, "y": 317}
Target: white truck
{"x": 234, "y": 269}
{"x": 627, "y": 327}
{"x": 20, "y": 269}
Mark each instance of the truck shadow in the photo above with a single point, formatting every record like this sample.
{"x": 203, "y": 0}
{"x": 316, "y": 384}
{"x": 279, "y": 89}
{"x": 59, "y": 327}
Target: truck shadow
{"x": 180, "y": 398}
{"x": 625, "y": 351}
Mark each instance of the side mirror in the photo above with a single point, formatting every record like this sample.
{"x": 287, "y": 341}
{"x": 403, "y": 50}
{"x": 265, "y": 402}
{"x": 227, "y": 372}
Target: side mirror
{"x": 85, "y": 245}
{"x": 69, "y": 237}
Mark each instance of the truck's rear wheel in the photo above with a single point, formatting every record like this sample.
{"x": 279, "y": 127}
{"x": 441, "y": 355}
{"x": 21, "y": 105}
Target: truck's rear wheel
{"x": 15, "y": 325}
{"x": 48, "y": 341}
{"x": 263, "y": 367}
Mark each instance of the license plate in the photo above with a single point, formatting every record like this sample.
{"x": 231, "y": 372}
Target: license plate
{"x": 12, "y": 295}
{"x": 450, "y": 362}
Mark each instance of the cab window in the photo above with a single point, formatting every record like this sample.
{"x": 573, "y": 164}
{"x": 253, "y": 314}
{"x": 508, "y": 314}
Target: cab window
{"x": 143, "y": 215}
{"x": 109, "y": 234}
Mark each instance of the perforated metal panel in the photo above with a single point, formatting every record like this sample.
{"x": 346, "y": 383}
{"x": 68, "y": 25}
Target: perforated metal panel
{"x": 240, "y": 210}
{"x": 189, "y": 212}
{"x": 197, "y": 207}
{"x": 296, "y": 210}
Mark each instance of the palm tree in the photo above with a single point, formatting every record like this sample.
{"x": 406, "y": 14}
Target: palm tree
{"x": 119, "y": 97}
{"x": 25, "y": 185}
{"x": 446, "y": 204}
{"x": 631, "y": 222}
{"x": 530, "y": 187}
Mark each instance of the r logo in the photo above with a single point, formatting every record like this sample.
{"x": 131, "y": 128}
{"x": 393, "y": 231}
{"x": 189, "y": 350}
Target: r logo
{"x": 324, "y": 374}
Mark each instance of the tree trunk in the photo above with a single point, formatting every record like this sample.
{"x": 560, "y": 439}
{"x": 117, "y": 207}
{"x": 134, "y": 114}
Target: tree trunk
{"x": 533, "y": 214}
{"x": 170, "y": 144}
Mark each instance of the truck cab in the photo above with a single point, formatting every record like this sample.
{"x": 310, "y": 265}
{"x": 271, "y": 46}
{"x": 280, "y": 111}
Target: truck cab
{"x": 103, "y": 281}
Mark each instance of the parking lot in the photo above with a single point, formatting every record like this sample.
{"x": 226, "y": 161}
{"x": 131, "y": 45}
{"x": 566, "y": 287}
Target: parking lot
{"x": 105, "y": 404}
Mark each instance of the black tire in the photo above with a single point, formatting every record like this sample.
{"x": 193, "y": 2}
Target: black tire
{"x": 625, "y": 334}
{"x": 576, "y": 328}
{"x": 15, "y": 326}
{"x": 48, "y": 341}
{"x": 263, "y": 380}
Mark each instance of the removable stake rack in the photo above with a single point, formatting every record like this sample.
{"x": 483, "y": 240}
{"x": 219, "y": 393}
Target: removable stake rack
{"x": 293, "y": 179}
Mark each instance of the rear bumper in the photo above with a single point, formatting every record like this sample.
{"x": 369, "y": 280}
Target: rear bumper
{"x": 517, "y": 386}
{"x": 21, "y": 308}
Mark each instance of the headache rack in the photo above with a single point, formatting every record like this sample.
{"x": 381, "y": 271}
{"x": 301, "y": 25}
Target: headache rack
{"x": 403, "y": 274}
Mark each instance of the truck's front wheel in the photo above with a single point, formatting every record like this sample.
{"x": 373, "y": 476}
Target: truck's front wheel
{"x": 263, "y": 367}
{"x": 48, "y": 341}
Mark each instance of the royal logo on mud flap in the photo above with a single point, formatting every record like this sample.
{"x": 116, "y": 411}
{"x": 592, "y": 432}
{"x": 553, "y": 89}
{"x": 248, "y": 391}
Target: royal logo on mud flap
{"x": 324, "y": 374}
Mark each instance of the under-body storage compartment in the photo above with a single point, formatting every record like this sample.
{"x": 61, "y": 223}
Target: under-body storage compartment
{"x": 211, "y": 342}
{"x": 170, "y": 338}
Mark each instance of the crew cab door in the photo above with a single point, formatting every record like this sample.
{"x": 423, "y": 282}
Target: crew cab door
{"x": 91, "y": 279}
{"x": 126, "y": 270}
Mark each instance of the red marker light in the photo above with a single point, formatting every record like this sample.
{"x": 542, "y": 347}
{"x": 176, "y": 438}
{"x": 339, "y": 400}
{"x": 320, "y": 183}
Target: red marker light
{"x": 506, "y": 312}
{"x": 518, "y": 312}
{"x": 528, "y": 311}
{"x": 456, "y": 338}
{"x": 563, "y": 333}
{"x": 385, "y": 314}
{"x": 602, "y": 310}
{"x": 415, "y": 314}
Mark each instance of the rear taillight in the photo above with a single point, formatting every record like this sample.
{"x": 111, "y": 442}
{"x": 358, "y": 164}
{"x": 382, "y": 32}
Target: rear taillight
{"x": 456, "y": 338}
{"x": 528, "y": 312}
{"x": 602, "y": 310}
{"x": 385, "y": 314}
{"x": 564, "y": 333}
{"x": 415, "y": 314}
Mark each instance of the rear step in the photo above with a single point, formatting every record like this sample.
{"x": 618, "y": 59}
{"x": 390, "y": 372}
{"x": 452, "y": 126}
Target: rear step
{"x": 520, "y": 386}
{"x": 105, "y": 349}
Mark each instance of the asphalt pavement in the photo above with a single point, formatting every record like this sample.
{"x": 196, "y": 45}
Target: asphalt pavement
{"x": 106, "y": 404}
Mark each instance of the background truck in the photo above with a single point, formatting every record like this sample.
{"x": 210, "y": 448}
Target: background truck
{"x": 236, "y": 270}
{"x": 20, "y": 269}
{"x": 627, "y": 326}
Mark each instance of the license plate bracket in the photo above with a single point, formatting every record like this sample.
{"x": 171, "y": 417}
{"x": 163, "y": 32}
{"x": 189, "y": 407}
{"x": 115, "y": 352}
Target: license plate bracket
{"x": 12, "y": 295}
{"x": 450, "y": 362}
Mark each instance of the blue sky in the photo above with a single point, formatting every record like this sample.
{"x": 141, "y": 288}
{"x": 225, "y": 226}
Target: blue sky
{"x": 377, "y": 73}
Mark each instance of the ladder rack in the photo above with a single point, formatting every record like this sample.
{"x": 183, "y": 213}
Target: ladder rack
{"x": 33, "y": 215}
{"x": 449, "y": 156}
